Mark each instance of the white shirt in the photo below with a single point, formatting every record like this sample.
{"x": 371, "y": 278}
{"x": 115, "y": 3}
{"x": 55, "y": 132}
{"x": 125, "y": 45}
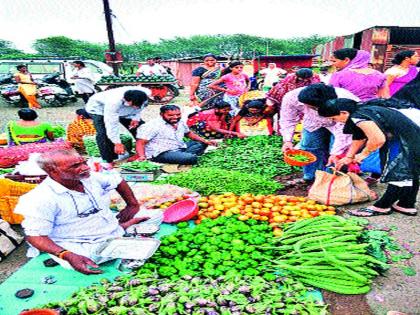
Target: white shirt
{"x": 156, "y": 69}
{"x": 162, "y": 136}
{"x": 112, "y": 106}
{"x": 272, "y": 75}
{"x": 85, "y": 81}
{"x": 53, "y": 210}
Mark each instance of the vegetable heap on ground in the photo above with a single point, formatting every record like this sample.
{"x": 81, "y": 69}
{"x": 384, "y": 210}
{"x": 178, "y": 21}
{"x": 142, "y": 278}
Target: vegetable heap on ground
{"x": 109, "y": 79}
{"x": 92, "y": 148}
{"x": 144, "y": 294}
{"x": 58, "y": 131}
{"x": 208, "y": 181}
{"x": 324, "y": 252}
{"x": 260, "y": 155}
{"x": 276, "y": 209}
{"x": 136, "y": 166}
{"x": 224, "y": 246}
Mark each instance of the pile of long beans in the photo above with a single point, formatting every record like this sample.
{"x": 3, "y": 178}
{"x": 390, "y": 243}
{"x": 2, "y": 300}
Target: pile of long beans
{"x": 325, "y": 252}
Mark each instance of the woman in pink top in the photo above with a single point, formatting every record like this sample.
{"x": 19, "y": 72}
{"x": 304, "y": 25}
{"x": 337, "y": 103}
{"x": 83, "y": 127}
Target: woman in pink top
{"x": 236, "y": 82}
{"x": 355, "y": 75}
{"x": 403, "y": 71}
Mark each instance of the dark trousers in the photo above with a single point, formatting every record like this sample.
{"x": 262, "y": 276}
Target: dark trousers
{"x": 406, "y": 196}
{"x": 106, "y": 146}
{"x": 188, "y": 156}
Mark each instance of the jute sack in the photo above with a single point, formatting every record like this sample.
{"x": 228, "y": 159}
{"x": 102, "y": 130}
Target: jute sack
{"x": 9, "y": 239}
{"x": 338, "y": 189}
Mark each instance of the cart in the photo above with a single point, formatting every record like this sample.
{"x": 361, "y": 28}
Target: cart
{"x": 162, "y": 92}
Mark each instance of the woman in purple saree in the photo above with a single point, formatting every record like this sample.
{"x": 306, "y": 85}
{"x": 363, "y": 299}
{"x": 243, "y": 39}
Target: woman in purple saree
{"x": 403, "y": 71}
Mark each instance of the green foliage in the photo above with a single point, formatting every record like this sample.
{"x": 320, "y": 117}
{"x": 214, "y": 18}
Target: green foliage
{"x": 237, "y": 45}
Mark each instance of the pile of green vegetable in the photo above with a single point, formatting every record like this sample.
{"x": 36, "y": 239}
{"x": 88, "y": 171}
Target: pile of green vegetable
{"x": 224, "y": 246}
{"x": 209, "y": 180}
{"x": 144, "y": 294}
{"x": 325, "y": 252}
{"x": 260, "y": 155}
{"x": 6, "y": 170}
{"x": 58, "y": 131}
{"x": 92, "y": 148}
{"x": 143, "y": 166}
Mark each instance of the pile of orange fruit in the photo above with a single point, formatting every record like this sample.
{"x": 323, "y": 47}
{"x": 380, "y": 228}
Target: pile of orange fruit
{"x": 276, "y": 209}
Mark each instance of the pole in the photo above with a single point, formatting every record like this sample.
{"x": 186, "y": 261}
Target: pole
{"x": 112, "y": 50}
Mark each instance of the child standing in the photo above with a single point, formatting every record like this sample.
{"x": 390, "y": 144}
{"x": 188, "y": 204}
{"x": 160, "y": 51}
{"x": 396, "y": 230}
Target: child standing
{"x": 236, "y": 82}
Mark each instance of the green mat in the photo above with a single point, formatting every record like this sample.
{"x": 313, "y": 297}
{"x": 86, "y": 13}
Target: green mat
{"x": 68, "y": 281}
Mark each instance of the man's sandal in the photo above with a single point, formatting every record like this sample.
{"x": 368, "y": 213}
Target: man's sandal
{"x": 367, "y": 212}
{"x": 406, "y": 211}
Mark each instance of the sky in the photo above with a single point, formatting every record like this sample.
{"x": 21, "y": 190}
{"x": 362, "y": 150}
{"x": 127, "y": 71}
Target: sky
{"x": 23, "y": 21}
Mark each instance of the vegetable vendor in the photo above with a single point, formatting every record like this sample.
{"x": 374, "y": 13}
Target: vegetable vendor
{"x": 151, "y": 68}
{"x": 27, "y": 129}
{"x": 318, "y": 131}
{"x": 213, "y": 123}
{"x": 373, "y": 126}
{"x": 81, "y": 126}
{"x": 110, "y": 108}
{"x": 68, "y": 214}
{"x": 161, "y": 139}
{"x": 251, "y": 120}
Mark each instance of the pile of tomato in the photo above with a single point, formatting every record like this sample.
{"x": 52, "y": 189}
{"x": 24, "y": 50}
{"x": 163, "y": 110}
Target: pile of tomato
{"x": 276, "y": 209}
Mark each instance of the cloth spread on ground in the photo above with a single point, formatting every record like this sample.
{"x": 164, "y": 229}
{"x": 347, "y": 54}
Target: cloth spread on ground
{"x": 68, "y": 281}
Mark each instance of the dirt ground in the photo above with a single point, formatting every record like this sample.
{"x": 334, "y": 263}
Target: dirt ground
{"x": 394, "y": 291}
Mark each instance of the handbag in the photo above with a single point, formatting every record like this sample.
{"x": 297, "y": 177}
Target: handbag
{"x": 338, "y": 188}
{"x": 9, "y": 239}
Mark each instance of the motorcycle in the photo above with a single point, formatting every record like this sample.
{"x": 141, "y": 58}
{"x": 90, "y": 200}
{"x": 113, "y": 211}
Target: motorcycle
{"x": 51, "y": 93}
{"x": 57, "y": 91}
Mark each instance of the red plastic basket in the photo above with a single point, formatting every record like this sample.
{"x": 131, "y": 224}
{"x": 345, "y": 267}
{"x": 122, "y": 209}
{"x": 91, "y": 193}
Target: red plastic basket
{"x": 288, "y": 157}
{"x": 183, "y": 210}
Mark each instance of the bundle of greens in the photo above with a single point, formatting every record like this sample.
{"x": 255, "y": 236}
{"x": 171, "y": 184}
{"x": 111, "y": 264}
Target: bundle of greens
{"x": 143, "y": 166}
{"x": 208, "y": 181}
{"x": 260, "y": 155}
{"x": 92, "y": 148}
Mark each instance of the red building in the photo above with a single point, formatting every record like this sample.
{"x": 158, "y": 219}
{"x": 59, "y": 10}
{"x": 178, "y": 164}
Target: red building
{"x": 383, "y": 42}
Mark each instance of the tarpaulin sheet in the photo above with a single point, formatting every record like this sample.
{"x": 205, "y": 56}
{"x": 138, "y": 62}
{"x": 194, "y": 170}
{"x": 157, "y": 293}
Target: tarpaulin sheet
{"x": 68, "y": 281}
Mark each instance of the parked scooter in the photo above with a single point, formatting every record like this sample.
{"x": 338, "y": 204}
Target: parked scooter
{"x": 57, "y": 87}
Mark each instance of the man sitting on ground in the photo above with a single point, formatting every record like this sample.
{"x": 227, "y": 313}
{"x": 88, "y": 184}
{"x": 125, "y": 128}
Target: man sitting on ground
{"x": 68, "y": 214}
{"x": 161, "y": 139}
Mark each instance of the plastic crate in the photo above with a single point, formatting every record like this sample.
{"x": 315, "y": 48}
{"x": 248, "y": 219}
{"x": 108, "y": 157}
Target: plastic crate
{"x": 140, "y": 176}
{"x": 30, "y": 179}
{"x": 10, "y": 191}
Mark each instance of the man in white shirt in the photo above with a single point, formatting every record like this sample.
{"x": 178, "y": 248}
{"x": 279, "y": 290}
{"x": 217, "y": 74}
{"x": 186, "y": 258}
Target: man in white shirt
{"x": 151, "y": 68}
{"x": 68, "y": 214}
{"x": 271, "y": 75}
{"x": 110, "y": 108}
{"x": 84, "y": 80}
